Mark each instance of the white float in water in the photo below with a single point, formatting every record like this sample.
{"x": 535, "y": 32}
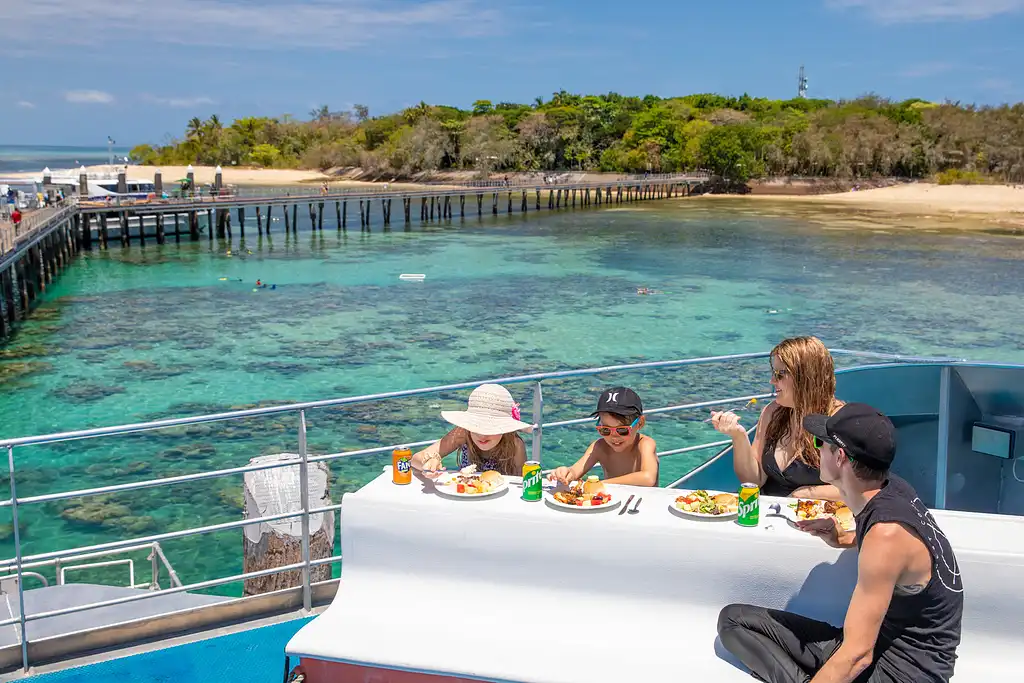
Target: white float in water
{"x": 418, "y": 277}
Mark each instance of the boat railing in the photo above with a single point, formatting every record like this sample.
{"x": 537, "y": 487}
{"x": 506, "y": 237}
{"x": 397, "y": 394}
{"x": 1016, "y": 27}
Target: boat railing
{"x": 61, "y": 566}
{"x": 60, "y": 558}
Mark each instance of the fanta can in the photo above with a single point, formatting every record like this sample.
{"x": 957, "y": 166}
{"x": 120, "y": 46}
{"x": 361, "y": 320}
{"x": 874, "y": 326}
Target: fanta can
{"x": 750, "y": 505}
{"x": 532, "y": 485}
{"x": 401, "y": 466}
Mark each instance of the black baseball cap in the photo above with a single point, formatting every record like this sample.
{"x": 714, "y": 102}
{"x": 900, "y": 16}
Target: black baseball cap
{"x": 865, "y": 434}
{"x": 619, "y": 401}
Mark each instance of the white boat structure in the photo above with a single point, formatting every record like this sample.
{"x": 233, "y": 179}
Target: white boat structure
{"x": 440, "y": 590}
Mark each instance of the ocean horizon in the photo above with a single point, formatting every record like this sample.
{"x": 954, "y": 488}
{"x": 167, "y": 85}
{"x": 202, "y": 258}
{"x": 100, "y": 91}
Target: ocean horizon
{"x": 33, "y": 158}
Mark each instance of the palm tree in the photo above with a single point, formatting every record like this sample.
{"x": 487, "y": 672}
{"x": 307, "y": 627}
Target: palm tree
{"x": 195, "y": 128}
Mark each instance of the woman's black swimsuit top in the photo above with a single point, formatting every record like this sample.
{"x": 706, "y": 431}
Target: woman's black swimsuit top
{"x": 783, "y": 483}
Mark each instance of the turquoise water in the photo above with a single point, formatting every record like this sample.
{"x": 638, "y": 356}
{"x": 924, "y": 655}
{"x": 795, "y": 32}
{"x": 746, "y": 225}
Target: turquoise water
{"x": 34, "y": 158}
{"x": 153, "y": 332}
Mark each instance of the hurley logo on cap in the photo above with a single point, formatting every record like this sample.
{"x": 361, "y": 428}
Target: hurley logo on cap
{"x": 613, "y": 397}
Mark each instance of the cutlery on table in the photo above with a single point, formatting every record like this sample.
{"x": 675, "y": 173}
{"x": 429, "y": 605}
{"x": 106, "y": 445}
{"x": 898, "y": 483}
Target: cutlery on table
{"x": 626, "y": 506}
{"x": 636, "y": 508}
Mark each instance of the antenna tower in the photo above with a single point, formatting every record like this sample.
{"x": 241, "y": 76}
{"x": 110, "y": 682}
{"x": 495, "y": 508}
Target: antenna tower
{"x": 801, "y": 87}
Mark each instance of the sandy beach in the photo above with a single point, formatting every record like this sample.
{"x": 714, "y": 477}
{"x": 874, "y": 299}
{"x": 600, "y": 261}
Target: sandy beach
{"x": 920, "y": 198}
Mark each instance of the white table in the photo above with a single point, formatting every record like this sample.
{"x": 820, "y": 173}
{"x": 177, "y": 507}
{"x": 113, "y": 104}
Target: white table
{"x": 508, "y": 590}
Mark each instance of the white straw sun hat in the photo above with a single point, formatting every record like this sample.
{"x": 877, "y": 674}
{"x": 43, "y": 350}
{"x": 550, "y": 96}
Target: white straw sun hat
{"x": 491, "y": 412}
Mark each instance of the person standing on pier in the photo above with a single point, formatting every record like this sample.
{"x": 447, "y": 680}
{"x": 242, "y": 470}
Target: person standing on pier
{"x": 16, "y": 219}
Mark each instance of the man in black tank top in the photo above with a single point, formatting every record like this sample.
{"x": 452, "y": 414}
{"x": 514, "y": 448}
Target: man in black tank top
{"x": 903, "y": 623}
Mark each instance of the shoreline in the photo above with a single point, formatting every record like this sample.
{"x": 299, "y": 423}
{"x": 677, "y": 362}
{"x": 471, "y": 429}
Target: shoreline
{"x": 1001, "y": 203}
{"x": 907, "y": 205}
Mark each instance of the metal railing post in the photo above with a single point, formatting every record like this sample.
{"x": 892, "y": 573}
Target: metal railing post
{"x": 538, "y": 420}
{"x": 17, "y": 555}
{"x": 307, "y": 602}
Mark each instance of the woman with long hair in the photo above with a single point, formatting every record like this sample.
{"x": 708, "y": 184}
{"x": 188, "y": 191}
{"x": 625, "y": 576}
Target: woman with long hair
{"x": 484, "y": 435}
{"x": 782, "y": 459}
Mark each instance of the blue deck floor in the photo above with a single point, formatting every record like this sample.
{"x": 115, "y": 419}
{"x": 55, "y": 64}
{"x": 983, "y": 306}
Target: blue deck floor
{"x": 255, "y": 656}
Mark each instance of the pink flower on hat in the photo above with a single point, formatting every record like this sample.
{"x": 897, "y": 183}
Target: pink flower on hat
{"x": 515, "y": 412}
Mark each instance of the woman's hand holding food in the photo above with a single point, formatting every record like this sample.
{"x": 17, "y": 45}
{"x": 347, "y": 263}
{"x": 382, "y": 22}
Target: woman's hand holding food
{"x": 727, "y": 423}
{"x": 563, "y": 475}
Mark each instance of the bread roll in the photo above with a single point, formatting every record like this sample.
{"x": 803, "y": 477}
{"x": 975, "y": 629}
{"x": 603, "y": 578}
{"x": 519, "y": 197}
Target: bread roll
{"x": 845, "y": 517}
{"x": 727, "y": 501}
{"x": 593, "y": 486}
{"x": 491, "y": 477}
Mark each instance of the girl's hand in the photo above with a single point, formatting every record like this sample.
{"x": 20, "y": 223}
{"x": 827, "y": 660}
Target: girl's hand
{"x": 432, "y": 467}
{"x": 727, "y": 423}
{"x": 561, "y": 475}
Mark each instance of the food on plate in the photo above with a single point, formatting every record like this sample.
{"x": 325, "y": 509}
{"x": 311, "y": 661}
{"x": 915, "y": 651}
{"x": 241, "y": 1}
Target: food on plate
{"x": 704, "y": 503}
{"x": 475, "y": 484}
{"x": 584, "y": 494}
{"x": 820, "y": 509}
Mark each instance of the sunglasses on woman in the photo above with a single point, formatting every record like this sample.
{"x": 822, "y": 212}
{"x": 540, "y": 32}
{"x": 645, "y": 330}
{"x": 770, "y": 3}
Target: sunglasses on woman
{"x": 779, "y": 374}
{"x": 605, "y": 430}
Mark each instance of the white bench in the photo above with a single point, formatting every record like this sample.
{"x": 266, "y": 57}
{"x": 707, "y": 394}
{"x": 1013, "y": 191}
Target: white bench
{"x": 507, "y": 590}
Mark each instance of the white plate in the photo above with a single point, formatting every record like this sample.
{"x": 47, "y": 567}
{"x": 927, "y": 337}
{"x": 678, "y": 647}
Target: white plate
{"x": 790, "y": 514}
{"x": 703, "y": 515}
{"x": 448, "y": 489}
{"x": 550, "y": 497}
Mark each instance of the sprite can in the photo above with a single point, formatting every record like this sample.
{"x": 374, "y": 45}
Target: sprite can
{"x": 532, "y": 488}
{"x": 750, "y": 508}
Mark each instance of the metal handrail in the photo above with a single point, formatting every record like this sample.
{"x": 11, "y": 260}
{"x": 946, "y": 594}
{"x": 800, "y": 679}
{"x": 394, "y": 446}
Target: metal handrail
{"x": 514, "y": 379}
{"x": 19, "y": 563}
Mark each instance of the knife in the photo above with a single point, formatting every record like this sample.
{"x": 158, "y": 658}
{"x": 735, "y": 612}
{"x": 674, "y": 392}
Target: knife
{"x": 626, "y": 506}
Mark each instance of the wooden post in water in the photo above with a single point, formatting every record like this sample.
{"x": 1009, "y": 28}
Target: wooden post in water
{"x": 160, "y": 238}
{"x": 123, "y": 218}
{"x": 295, "y": 218}
{"x": 479, "y": 205}
{"x": 406, "y": 202}
{"x": 362, "y": 218}
{"x": 287, "y": 221}
{"x": 320, "y": 217}
{"x": 344, "y": 214}
{"x": 494, "y": 204}
{"x": 538, "y": 198}
{"x": 193, "y": 225}
{"x": 279, "y": 543}
{"x": 337, "y": 213}
{"x": 462, "y": 206}
{"x": 241, "y": 221}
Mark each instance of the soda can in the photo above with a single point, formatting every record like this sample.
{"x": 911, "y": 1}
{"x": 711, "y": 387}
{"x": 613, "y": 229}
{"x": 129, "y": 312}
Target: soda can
{"x": 401, "y": 466}
{"x": 750, "y": 507}
{"x": 532, "y": 485}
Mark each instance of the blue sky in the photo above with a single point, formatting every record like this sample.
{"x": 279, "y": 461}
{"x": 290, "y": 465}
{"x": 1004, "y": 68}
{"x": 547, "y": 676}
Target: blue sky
{"x": 139, "y": 69}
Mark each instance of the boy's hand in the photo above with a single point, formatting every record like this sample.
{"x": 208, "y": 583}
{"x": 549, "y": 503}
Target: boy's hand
{"x": 727, "y": 423}
{"x": 824, "y": 528}
{"x": 561, "y": 475}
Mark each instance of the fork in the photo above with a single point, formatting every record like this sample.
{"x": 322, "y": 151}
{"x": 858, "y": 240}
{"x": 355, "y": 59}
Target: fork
{"x": 636, "y": 508}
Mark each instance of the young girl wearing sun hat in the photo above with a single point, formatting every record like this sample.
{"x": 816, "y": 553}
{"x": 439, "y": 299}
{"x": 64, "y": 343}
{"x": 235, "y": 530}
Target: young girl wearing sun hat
{"x": 484, "y": 435}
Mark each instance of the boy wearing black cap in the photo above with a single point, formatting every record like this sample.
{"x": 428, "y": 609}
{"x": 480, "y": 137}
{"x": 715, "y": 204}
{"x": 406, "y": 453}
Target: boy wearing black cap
{"x": 903, "y": 622}
{"x": 625, "y": 455}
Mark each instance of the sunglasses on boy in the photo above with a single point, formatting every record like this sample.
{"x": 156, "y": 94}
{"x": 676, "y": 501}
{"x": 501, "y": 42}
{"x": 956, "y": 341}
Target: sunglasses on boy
{"x": 605, "y": 430}
{"x": 819, "y": 442}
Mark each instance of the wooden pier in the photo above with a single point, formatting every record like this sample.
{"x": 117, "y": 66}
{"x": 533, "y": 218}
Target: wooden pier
{"x": 50, "y": 239}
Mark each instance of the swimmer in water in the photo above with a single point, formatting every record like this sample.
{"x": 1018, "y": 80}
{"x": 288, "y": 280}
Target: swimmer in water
{"x": 644, "y": 290}
{"x": 259, "y": 284}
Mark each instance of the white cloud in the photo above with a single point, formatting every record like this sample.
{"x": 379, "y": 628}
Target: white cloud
{"x": 178, "y": 102}
{"x": 905, "y": 11}
{"x": 925, "y": 69}
{"x": 250, "y": 24}
{"x": 88, "y": 97}
{"x": 1001, "y": 85}
{"x": 25, "y": 104}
